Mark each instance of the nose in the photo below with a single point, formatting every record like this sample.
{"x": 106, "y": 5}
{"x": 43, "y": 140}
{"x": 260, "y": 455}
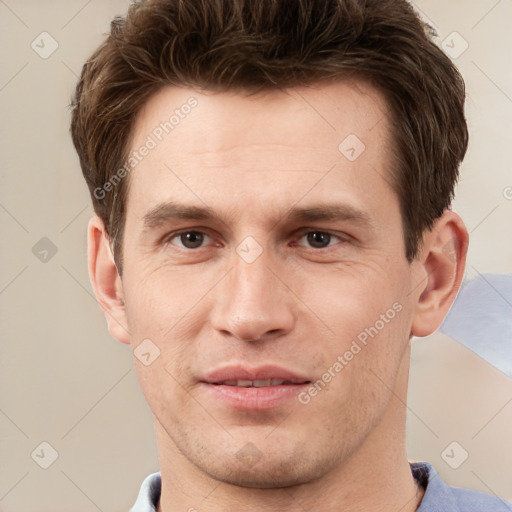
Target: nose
{"x": 253, "y": 303}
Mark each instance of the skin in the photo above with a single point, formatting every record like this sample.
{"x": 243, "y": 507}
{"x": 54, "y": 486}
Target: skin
{"x": 298, "y": 305}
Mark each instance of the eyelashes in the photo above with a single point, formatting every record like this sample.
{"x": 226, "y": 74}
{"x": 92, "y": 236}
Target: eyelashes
{"x": 191, "y": 239}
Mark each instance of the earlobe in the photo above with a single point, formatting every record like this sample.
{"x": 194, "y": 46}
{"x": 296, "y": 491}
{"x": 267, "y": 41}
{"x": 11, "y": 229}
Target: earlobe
{"x": 105, "y": 280}
{"x": 440, "y": 267}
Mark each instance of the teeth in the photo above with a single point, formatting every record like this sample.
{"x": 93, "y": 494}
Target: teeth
{"x": 253, "y": 383}
{"x": 261, "y": 383}
{"x": 244, "y": 383}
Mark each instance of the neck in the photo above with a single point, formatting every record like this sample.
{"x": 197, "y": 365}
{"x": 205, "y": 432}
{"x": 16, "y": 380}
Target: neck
{"x": 377, "y": 477}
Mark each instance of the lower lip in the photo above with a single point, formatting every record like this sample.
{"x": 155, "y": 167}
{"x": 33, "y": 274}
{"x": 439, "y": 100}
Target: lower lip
{"x": 252, "y": 398}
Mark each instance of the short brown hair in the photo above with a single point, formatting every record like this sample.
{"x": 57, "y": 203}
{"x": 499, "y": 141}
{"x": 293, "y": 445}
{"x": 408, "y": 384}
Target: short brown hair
{"x": 252, "y": 45}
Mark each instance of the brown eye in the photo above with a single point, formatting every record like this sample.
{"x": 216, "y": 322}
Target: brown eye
{"x": 318, "y": 239}
{"x": 190, "y": 239}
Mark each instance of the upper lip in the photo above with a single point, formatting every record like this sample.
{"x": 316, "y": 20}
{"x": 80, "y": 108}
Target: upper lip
{"x": 235, "y": 372}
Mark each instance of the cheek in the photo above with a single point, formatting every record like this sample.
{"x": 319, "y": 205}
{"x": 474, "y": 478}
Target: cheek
{"x": 368, "y": 311}
{"x": 169, "y": 308}
{"x": 159, "y": 299}
{"x": 352, "y": 297}
{"x": 154, "y": 317}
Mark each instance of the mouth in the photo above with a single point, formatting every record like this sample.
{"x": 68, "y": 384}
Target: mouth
{"x": 261, "y": 388}
{"x": 261, "y": 383}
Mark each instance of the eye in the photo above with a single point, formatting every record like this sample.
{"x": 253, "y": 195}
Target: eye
{"x": 188, "y": 239}
{"x": 319, "y": 239}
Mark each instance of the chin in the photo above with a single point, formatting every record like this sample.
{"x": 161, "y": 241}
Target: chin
{"x": 270, "y": 472}
{"x": 259, "y": 481}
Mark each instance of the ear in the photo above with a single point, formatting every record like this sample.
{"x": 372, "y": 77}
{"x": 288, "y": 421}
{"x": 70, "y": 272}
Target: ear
{"x": 440, "y": 264}
{"x": 105, "y": 280}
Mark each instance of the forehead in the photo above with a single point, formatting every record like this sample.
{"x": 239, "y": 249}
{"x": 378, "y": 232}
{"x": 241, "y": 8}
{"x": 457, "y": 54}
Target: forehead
{"x": 204, "y": 143}
{"x": 324, "y": 109}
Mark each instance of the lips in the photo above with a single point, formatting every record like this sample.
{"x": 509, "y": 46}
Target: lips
{"x": 262, "y": 388}
{"x": 262, "y": 376}
{"x": 260, "y": 383}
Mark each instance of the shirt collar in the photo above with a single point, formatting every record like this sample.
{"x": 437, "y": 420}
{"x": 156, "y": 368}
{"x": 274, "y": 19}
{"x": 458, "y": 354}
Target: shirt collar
{"x": 149, "y": 494}
{"x": 437, "y": 497}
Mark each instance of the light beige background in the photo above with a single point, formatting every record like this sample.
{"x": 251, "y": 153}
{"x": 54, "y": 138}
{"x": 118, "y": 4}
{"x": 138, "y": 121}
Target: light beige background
{"x": 64, "y": 381}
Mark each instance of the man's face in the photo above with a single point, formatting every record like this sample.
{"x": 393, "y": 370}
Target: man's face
{"x": 296, "y": 264}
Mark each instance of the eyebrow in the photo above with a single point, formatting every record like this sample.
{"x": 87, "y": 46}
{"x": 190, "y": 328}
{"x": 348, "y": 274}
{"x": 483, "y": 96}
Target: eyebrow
{"x": 171, "y": 210}
{"x": 330, "y": 212}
